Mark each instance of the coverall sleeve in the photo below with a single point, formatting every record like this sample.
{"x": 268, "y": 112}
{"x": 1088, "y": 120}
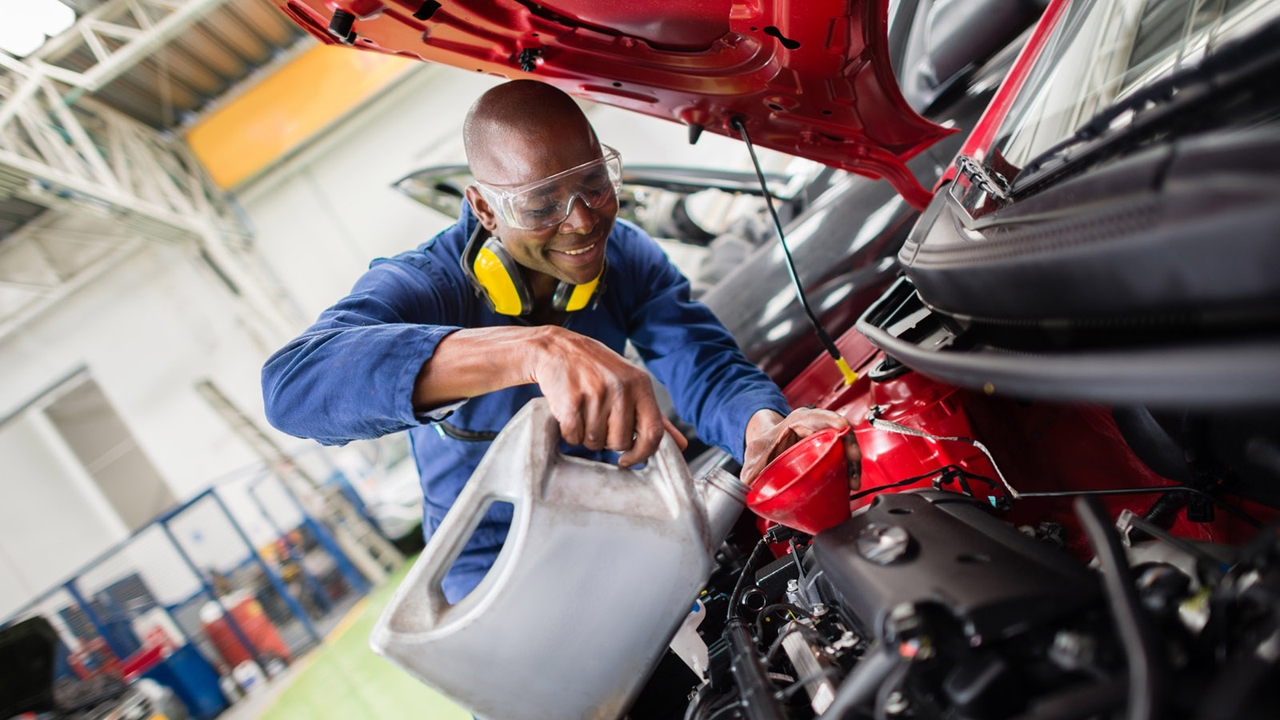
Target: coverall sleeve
{"x": 686, "y": 347}
{"x": 350, "y": 375}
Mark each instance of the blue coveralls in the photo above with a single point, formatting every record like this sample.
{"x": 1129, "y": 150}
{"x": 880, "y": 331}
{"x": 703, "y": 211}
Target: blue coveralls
{"x": 350, "y": 375}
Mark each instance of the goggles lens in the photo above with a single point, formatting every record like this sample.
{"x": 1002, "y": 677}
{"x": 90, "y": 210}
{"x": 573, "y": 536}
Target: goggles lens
{"x": 547, "y": 203}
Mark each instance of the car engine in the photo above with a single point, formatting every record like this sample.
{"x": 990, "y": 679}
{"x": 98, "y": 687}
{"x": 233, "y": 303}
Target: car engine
{"x": 926, "y": 604}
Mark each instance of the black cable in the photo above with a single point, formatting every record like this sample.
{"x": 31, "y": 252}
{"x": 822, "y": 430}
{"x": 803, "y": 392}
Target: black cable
{"x": 909, "y": 481}
{"x": 1143, "y": 491}
{"x": 943, "y": 474}
{"x": 738, "y": 124}
{"x": 764, "y": 613}
{"x": 747, "y": 569}
{"x": 959, "y": 472}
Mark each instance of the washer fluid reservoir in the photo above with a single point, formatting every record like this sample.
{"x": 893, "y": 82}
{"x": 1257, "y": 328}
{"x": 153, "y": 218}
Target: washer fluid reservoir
{"x": 599, "y": 570}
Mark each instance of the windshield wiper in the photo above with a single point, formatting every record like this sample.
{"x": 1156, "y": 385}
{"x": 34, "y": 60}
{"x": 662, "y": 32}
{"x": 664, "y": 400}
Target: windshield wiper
{"x": 1231, "y": 65}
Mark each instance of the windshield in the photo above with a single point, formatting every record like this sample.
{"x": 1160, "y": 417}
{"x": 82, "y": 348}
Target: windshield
{"x": 1103, "y": 50}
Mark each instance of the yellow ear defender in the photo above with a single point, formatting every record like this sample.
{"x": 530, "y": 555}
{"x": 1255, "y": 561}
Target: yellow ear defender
{"x": 496, "y": 277}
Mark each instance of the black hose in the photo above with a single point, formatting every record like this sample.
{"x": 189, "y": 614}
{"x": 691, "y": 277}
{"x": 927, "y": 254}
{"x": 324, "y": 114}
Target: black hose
{"x": 1163, "y": 510}
{"x": 1136, "y": 637}
{"x": 827, "y": 343}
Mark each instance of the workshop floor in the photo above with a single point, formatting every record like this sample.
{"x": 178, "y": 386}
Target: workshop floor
{"x": 344, "y": 680}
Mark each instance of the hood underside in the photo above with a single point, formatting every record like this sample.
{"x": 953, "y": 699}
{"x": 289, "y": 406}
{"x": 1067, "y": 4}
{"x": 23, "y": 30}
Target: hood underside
{"x": 810, "y": 78}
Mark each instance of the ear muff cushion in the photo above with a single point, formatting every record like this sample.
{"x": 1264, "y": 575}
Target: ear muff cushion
{"x": 581, "y": 296}
{"x": 502, "y": 283}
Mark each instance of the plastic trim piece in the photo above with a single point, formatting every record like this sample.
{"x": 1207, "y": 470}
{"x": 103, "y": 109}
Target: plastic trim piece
{"x": 1230, "y": 373}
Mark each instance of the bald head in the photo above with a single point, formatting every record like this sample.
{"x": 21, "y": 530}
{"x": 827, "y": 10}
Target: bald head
{"x": 515, "y": 125}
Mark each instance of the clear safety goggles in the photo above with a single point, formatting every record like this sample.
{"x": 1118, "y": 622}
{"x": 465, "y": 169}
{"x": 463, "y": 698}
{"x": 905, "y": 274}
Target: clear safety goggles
{"x": 547, "y": 203}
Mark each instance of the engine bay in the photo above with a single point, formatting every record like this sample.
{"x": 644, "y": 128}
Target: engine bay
{"x": 1005, "y": 559}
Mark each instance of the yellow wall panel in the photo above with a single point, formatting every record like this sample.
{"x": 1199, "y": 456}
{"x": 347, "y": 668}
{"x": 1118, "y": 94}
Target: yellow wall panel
{"x": 284, "y": 110}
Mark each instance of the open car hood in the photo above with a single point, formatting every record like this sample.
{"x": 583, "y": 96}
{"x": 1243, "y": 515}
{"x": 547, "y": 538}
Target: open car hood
{"x": 809, "y": 78}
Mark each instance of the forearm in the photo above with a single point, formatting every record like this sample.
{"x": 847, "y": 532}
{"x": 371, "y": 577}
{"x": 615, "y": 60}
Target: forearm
{"x": 473, "y": 362}
{"x": 340, "y": 384}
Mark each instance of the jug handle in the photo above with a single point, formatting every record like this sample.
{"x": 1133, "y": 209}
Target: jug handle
{"x": 532, "y": 436}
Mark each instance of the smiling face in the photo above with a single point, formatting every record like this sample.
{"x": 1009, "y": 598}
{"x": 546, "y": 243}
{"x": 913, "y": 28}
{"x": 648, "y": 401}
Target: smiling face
{"x": 525, "y": 133}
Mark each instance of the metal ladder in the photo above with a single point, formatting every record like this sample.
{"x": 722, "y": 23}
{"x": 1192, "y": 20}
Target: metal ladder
{"x": 368, "y": 550}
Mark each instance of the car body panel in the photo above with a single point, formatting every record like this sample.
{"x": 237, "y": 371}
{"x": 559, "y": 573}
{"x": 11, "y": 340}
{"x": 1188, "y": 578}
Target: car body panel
{"x": 821, "y": 90}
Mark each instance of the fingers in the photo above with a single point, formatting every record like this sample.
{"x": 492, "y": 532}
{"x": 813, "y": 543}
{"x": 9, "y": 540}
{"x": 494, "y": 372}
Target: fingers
{"x": 807, "y": 421}
{"x": 622, "y": 426}
{"x": 750, "y": 471}
{"x": 600, "y": 400}
{"x": 596, "y": 422}
{"x": 570, "y": 417}
{"x": 771, "y": 440}
{"x": 681, "y": 441}
{"x": 650, "y": 425}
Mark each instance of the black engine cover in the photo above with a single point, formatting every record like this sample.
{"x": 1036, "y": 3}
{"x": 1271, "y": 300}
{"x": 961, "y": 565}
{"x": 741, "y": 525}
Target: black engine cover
{"x": 944, "y": 549}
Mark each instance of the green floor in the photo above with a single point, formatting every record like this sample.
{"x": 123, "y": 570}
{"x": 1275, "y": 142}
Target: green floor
{"x": 344, "y": 680}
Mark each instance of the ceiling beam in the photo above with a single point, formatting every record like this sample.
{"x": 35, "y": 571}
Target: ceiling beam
{"x": 135, "y": 29}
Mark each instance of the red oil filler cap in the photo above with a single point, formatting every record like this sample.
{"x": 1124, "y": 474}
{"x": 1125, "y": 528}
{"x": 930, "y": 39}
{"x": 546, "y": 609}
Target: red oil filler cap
{"x": 807, "y": 486}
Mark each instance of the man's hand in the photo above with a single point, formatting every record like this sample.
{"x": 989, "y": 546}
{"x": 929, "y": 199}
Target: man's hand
{"x": 600, "y": 400}
{"x": 769, "y": 433}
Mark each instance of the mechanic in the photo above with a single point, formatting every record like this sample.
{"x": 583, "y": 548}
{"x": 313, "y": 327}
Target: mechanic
{"x": 534, "y": 291}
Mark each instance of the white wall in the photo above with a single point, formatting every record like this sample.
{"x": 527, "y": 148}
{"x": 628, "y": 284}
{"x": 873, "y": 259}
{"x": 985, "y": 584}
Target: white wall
{"x": 49, "y": 499}
{"x": 147, "y": 332}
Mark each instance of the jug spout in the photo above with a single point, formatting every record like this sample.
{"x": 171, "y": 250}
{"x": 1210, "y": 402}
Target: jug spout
{"x": 723, "y": 497}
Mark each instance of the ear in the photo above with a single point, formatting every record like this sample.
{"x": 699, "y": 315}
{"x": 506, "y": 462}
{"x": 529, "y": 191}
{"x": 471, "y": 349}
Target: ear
{"x": 484, "y": 212}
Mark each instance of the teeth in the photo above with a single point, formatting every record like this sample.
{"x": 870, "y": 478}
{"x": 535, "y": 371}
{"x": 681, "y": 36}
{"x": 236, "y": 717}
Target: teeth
{"x": 578, "y": 252}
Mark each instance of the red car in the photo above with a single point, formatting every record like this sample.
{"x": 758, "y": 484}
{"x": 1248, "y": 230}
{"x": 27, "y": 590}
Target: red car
{"x": 1068, "y": 400}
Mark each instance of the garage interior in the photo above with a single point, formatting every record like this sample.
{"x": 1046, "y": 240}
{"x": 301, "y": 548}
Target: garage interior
{"x": 184, "y": 185}
{"x": 1049, "y": 258}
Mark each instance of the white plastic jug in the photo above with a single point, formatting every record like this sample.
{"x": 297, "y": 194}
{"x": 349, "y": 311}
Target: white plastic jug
{"x": 598, "y": 572}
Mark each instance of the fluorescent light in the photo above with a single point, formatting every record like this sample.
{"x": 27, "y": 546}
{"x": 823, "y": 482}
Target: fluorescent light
{"x": 29, "y": 22}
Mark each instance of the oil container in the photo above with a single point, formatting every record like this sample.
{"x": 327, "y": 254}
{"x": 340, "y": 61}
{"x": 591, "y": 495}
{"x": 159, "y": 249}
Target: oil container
{"x": 599, "y": 570}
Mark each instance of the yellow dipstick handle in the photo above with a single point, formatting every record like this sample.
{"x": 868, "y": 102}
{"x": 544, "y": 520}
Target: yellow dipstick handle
{"x": 850, "y": 377}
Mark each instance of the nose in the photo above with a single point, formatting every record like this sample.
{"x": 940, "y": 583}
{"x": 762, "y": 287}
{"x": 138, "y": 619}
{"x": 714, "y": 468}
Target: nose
{"x": 581, "y": 218}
